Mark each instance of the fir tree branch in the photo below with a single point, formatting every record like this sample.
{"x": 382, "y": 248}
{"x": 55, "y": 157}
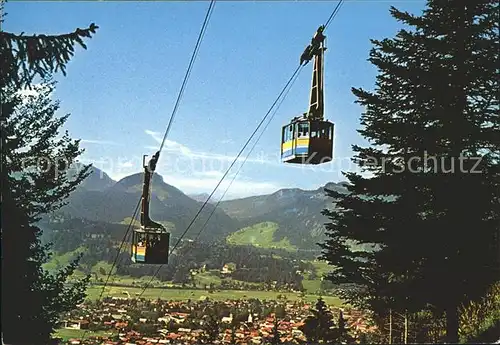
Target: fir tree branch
{"x": 25, "y": 57}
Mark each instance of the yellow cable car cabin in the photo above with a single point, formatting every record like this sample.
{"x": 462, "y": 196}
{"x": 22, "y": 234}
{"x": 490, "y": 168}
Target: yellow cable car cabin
{"x": 307, "y": 142}
{"x": 308, "y": 139}
{"x": 150, "y": 246}
{"x": 150, "y": 242}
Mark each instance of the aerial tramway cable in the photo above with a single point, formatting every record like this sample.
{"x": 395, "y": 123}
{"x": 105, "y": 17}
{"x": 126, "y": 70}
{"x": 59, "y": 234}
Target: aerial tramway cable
{"x": 172, "y": 116}
{"x": 287, "y": 88}
{"x": 188, "y": 72}
{"x": 246, "y": 158}
{"x": 334, "y": 13}
{"x": 225, "y": 174}
{"x": 124, "y": 240}
{"x": 332, "y": 16}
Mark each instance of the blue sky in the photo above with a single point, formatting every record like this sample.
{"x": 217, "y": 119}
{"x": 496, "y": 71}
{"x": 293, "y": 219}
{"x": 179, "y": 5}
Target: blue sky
{"x": 122, "y": 89}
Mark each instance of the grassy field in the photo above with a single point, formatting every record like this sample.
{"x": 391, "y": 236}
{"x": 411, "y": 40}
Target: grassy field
{"x": 66, "y": 334}
{"x": 313, "y": 285}
{"x": 93, "y": 292}
{"x": 135, "y": 222}
{"x": 260, "y": 235}
{"x": 101, "y": 270}
{"x": 58, "y": 261}
{"x": 103, "y": 267}
{"x": 209, "y": 277}
{"x": 322, "y": 267}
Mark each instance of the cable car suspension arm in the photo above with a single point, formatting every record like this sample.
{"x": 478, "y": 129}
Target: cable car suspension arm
{"x": 146, "y": 191}
{"x": 316, "y": 50}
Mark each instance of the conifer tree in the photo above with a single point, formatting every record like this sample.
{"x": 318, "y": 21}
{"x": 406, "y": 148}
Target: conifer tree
{"x": 341, "y": 331}
{"x": 32, "y": 298}
{"x": 38, "y": 160}
{"x": 319, "y": 326}
{"x": 211, "y": 324}
{"x": 238, "y": 317}
{"x": 431, "y": 207}
{"x": 24, "y": 57}
{"x": 276, "y": 334}
{"x": 233, "y": 328}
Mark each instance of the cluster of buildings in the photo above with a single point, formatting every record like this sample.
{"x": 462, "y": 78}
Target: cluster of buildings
{"x": 143, "y": 322}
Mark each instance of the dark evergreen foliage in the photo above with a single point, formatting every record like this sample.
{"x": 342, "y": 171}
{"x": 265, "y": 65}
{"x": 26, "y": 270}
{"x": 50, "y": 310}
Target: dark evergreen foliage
{"x": 211, "y": 324}
{"x": 276, "y": 334}
{"x": 26, "y": 57}
{"x": 36, "y": 160}
{"x": 341, "y": 331}
{"x": 435, "y": 225}
{"x": 34, "y": 171}
{"x": 32, "y": 299}
{"x": 319, "y": 326}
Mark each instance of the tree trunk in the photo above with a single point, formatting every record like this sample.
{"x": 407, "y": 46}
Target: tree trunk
{"x": 390, "y": 326}
{"x": 452, "y": 325}
{"x": 406, "y": 329}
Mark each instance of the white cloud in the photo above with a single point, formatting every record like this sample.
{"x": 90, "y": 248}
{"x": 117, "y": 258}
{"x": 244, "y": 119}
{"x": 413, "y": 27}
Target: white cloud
{"x": 169, "y": 144}
{"x": 116, "y": 167}
{"x": 118, "y": 176}
{"x": 98, "y": 142}
{"x": 128, "y": 164}
{"x": 196, "y": 172}
{"x": 182, "y": 150}
{"x": 211, "y": 173}
{"x": 222, "y": 162}
{"x": 239, "y": 188}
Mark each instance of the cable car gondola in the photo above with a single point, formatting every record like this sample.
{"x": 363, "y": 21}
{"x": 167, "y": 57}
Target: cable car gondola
{"x": 150, "y": 242}
{"x": 308, "y": 139}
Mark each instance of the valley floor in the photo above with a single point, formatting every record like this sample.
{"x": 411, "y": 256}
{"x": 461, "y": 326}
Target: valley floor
{"x": 93, "y": 292}
{"x": 180, "y": 318}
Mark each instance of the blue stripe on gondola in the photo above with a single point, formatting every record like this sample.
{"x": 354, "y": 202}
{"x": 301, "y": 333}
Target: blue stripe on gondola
{"x": 297, "y": 151}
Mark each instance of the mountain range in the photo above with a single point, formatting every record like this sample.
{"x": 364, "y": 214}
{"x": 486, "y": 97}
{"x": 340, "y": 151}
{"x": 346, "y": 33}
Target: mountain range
{"x": 200, "y": 197}
{"x": 293, "y": 215}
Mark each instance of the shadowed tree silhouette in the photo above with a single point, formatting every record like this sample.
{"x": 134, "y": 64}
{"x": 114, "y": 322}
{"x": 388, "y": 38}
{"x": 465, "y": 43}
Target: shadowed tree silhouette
{"x": 211, "y": 324}
{"x": 431, "y": 208}
{"x": 276, "y": 334}
{"x": 319, "y": 326}
{"x": 341, "y": 332}
{"x": 34, "y": 182}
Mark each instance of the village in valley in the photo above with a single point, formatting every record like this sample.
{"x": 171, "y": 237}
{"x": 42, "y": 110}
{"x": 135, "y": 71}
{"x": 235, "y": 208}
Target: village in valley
{"x": 124, "y": 320}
